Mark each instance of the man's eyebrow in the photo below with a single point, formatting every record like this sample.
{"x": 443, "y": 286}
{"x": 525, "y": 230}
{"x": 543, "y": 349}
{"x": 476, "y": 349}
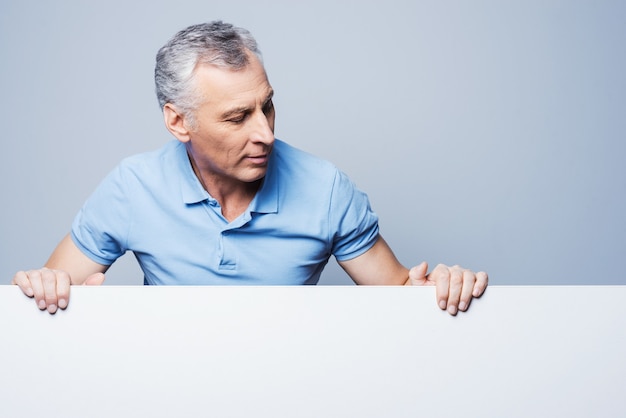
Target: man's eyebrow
{"x": 235, "y": 111}
{"x": 243, "y": 109}
{"x": 269, "y": 97}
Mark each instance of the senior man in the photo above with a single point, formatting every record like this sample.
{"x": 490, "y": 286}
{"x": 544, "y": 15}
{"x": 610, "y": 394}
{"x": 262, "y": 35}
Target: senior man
{"x": 226, "y": 203}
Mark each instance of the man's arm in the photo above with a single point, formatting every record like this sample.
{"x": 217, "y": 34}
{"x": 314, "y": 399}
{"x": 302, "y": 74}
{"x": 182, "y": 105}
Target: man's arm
{"x": 50, "y": 285}
{"x": 379, "y": 266}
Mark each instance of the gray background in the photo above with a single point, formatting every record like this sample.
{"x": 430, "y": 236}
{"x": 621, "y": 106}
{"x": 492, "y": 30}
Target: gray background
{"x": 486, "y": 133}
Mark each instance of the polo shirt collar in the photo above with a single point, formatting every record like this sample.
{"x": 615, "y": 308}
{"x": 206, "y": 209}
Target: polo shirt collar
{"x": 191, "y": 188}
{"x": 266, "y": 199}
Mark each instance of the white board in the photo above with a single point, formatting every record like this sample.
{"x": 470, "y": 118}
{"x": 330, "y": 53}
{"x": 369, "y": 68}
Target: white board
{"x": 314, "y": 352}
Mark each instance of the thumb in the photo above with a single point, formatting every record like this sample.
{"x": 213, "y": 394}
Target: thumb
{"x": 95, "y": 279}
{"x": 417, "y": 274}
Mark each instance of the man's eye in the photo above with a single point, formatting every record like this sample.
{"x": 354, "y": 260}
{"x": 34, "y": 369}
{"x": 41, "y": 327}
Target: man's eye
{"x": 268, "y": 107}
{"x": 238, "y": 119}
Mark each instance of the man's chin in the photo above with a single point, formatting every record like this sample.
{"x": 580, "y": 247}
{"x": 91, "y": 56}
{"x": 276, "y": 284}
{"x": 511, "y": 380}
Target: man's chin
{"x": 255, "y": 175}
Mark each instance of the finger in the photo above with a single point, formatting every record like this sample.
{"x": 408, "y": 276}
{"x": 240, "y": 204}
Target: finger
{"x": 63, "y": 283}
{"x": 95, "y": 279}
{"x": 469, "y": 279}
{"x": 34, "y": 276}
{"x": 482, "y": 280}
{"x": 49, "y": 282}
{"x": 21, "y": 279}
{"x": 417, "y": 275}
{"x": 441, "y": 277}
{"x": 454, "y": 292}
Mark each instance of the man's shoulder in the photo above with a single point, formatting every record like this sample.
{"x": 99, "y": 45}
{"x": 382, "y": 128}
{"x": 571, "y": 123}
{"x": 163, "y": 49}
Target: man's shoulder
{"x": 152, "y": 164}
{"x": 167, "y": 155}
{"x": 149, "y": 171}
{"x": 297, "y": 161}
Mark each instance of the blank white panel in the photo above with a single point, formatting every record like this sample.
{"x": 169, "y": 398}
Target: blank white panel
{"x": 314, "y": 352}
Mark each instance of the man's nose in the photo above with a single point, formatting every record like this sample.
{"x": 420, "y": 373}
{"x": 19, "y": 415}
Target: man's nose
{"x": 263, "y": 129}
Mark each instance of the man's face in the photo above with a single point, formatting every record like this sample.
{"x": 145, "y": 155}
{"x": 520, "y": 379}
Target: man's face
{"x": 234, "y": 131}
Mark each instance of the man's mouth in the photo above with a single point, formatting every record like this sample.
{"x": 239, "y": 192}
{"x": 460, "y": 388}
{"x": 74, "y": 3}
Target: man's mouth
{"x": 260, "y": 159}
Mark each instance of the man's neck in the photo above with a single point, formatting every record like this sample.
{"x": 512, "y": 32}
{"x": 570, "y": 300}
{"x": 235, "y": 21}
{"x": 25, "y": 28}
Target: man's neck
{"x": 233, "y": 196}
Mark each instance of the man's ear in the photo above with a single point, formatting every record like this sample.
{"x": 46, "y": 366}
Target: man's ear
{"x": 175, "y": 122}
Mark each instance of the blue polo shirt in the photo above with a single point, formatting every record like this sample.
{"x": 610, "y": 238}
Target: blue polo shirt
{"x": 154, "y": 205}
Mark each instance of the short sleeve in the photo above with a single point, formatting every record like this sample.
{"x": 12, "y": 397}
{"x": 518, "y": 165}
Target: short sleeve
{"x": 100, "y": 229}
{"x": 354, "y": 224}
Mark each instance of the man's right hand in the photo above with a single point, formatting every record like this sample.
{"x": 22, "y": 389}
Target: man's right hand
{"x": 50, "y": 288}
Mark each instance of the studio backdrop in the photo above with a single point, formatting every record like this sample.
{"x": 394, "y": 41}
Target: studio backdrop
{"x": 487, "y": 133}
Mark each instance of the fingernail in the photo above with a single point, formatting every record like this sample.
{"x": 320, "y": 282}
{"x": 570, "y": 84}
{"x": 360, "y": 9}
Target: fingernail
{"x": 29, "y": 292}
{"x": 462, "y": 306}
{"x": 442, "y": 304}
{"x": 42, "y": 304}
{"x": 62, "y": 303}
{"x": 52, "y": 308}
{"x": 452, "y": 309}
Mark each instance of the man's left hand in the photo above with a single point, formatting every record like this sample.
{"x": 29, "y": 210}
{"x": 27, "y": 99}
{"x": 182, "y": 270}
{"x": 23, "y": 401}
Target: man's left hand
{"x": 456, "y": 286}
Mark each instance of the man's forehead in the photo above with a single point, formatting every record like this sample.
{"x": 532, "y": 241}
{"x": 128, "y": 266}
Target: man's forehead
{"x": 227, "y": 87}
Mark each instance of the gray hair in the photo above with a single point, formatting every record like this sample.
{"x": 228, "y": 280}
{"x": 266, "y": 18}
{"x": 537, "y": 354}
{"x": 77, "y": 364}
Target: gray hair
{"x": 216, "y": 43}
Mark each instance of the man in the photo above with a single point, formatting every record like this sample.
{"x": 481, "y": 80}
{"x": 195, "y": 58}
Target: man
{"x": 226, "y": 202}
